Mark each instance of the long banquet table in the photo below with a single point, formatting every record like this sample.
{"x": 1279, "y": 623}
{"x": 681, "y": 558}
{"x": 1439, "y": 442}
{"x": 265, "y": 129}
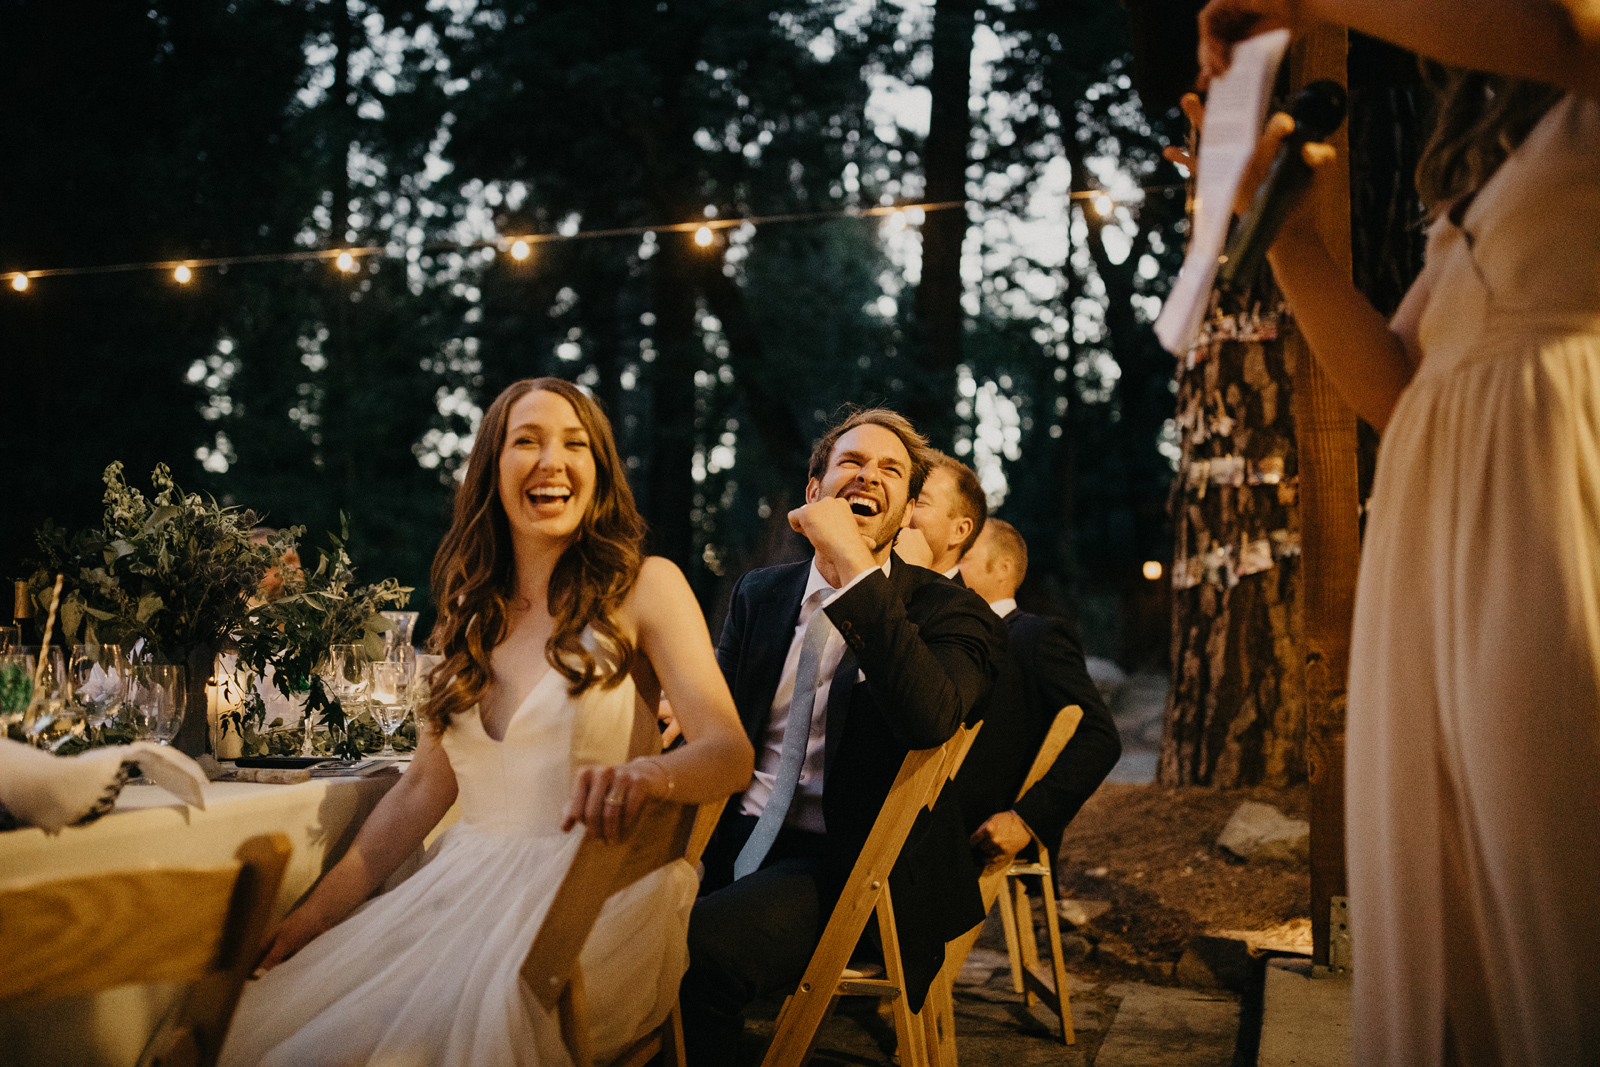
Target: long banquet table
{"x": 150, "y": 827}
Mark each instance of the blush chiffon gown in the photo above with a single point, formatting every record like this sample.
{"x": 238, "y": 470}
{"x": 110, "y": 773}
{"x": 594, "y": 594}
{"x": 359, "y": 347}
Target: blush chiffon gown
{"x": 1473, "y": 744}
{"x": 428, "y": 973}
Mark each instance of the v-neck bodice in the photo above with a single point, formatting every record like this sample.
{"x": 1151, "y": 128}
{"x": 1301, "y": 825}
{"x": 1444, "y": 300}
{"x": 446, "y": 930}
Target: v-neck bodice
{"x": 521, "y": 783}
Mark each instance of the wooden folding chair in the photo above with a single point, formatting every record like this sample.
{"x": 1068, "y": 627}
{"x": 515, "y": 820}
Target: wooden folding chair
{"x": 665, "y": 832}
{"x": 1004, "y": 882}
{"x": 206, "y": 926}
{"x": 866, "y": 893}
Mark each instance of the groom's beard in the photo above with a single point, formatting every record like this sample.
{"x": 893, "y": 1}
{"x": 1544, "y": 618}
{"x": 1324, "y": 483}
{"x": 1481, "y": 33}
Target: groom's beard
{"x": 895, "y": 526}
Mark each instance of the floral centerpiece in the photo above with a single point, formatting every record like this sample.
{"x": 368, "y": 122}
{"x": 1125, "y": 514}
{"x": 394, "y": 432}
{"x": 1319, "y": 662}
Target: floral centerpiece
{"x": 183, "y": 575}
{"x": 292, "y": 633}
{"x": 175, "y": 571}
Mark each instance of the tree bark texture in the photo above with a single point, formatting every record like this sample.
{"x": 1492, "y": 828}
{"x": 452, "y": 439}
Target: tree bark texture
{"x": 1236, "y": 711}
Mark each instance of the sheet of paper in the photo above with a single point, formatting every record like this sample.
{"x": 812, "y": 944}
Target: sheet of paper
{"x": 1236, "y": 108}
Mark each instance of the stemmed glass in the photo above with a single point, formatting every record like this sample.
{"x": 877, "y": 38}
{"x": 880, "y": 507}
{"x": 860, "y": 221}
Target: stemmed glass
{"x": 157, "y": 698}
{"x": 349, "y": 677}
{"x": 52, "y": 716}
{"x": 100, "y": 681}
{"x": 390, "y": 700}
{"x": 10, "y": 639}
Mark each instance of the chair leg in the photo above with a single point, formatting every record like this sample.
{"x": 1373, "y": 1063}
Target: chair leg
{"x": 672, "y": 1049}
{"x": 908, "y": 1028}
{"x": 573, "y": 1013}
{"x": 1027, "y": 940}
{"x": 1052, "y": 923}
{"x": 938, "y": 1019}
{"x": 1008, "y": 922}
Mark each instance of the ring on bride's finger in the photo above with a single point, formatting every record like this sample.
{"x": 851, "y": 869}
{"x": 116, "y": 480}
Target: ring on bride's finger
{"x": 612, "y": 802}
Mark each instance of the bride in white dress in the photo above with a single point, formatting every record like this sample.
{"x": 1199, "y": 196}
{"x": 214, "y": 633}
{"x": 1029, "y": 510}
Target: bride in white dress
{"x": 556, "y": 633}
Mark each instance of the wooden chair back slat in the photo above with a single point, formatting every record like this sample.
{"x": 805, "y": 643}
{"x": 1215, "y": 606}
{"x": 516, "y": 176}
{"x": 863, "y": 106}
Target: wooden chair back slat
{"x": 206, "y": 926}
{"x": 1062, "y": 728}
{"x": 599, "y": 869}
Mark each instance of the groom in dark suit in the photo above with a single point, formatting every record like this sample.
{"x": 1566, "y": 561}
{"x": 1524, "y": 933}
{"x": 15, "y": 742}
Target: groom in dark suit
{"x": 839, "y": 667}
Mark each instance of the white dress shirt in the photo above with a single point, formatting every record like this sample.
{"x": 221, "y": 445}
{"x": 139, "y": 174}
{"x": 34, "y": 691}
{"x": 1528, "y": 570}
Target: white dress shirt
{"x": 1004, "y": 607}
{"x": 805, "y": 812}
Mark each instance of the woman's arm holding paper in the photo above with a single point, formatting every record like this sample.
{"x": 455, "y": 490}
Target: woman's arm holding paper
{"x": 1553, "y": 41}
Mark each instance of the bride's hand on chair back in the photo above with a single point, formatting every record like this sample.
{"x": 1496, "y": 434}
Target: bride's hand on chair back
{"x": 608, "y": 800}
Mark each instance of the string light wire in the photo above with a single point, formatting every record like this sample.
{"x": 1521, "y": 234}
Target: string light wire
{"x": 520, "y": 245}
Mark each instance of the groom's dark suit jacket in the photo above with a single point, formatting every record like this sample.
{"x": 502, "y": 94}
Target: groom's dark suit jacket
{"x": 928, "y": 650}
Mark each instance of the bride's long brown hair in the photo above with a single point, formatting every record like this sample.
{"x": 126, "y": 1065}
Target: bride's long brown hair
{"x": 474, "y": 571}
{"x": 1481, "y": 119}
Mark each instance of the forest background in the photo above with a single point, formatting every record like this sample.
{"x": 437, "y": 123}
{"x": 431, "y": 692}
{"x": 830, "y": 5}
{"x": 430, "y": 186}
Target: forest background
{"x": 1015, "y": 331}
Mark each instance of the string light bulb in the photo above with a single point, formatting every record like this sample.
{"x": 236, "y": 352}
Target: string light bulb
{"x": 897, "y": 221}
{"x": 702, "y": 236}
{"x": 1103, "y": 205}
{"x": 19, "y": 282}
{"x": 346, "y": 262}
{"x": 183, "y": 274}
{"x": 519, "y": 250}
{"x": 1153, "y": 569}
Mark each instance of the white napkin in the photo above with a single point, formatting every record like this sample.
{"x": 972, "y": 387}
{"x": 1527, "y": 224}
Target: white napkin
{"x": 50, "y": 792}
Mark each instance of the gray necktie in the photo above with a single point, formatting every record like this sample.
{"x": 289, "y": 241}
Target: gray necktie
{"x": 795, "y": 736}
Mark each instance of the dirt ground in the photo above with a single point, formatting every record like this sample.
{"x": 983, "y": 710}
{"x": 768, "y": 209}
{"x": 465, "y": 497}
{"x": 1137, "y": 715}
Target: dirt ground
{"x": 1151, "y": 852}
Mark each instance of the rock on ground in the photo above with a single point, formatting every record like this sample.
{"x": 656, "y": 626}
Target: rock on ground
{"x": 1261, "y": 832}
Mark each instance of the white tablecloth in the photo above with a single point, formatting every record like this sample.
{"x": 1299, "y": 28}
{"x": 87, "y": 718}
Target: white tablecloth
{"x": 149, "y": 827}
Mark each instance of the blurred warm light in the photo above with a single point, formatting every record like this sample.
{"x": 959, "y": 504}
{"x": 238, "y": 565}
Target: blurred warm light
{"x": 897, "y": 220}
{"x": 519, "y": 250}
{"x": 183, "y": 274}
{"x": 19, "y": 282}
{"x": 702, "y": 236}
{"x": 1152, "y": 569}
{"x": 1102, "y": 205}
{"x": 346, "y": 262}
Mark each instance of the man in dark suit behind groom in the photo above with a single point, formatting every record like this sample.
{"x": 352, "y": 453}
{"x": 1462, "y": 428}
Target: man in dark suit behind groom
{"x": 1049, "y": 659}
{"x": 854, "y": 659}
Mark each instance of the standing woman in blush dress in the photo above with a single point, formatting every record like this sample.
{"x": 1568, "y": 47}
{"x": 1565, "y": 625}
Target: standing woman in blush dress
{"x": 558, "y": 636}
{"x": 1473, "y": 744}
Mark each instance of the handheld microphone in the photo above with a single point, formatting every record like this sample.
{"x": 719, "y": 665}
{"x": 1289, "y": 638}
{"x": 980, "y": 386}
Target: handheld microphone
{"x": 1317, "y": 112}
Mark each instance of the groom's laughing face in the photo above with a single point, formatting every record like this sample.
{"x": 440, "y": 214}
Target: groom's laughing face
{"x": 870, "y": 468}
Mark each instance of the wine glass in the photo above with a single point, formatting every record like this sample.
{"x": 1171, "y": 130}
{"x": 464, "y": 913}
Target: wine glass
{"x": 99, "y": 676}
{"x": 157, "y": 698}
{"x": 389, "y": 701}
{"x": 51, "y": 716}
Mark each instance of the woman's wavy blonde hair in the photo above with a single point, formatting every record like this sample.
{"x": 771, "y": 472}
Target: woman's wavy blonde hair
{"x": 474, "y": 571}
{"x": 1482, "y": 118}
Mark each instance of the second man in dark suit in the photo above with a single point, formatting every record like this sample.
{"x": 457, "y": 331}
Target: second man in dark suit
{"x": 1049, "y": 658}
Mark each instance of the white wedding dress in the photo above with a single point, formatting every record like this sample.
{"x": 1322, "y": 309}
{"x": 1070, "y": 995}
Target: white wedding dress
{"x": 428, "y": 974}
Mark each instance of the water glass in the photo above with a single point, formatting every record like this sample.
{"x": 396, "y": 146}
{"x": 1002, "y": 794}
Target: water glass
{"x": 157, "y": 699}
{"x": 10, "y": 639}
{"x": 390, "y": 700}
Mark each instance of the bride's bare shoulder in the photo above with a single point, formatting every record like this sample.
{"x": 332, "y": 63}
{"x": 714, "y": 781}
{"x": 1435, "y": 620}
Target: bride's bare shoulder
{"x": 660, "y": 591}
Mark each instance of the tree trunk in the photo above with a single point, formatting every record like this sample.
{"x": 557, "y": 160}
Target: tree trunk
{"x": 678, "y": 355}
{"x": 1236, "y": 713}
{"x": 939, "y": 314}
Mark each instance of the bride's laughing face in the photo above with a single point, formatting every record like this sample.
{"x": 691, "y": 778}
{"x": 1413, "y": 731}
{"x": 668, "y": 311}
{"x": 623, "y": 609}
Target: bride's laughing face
{"x": 547, "y": 469}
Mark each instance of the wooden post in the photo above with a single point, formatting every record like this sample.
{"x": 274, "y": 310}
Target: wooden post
{"x": 1325, "y": 429}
